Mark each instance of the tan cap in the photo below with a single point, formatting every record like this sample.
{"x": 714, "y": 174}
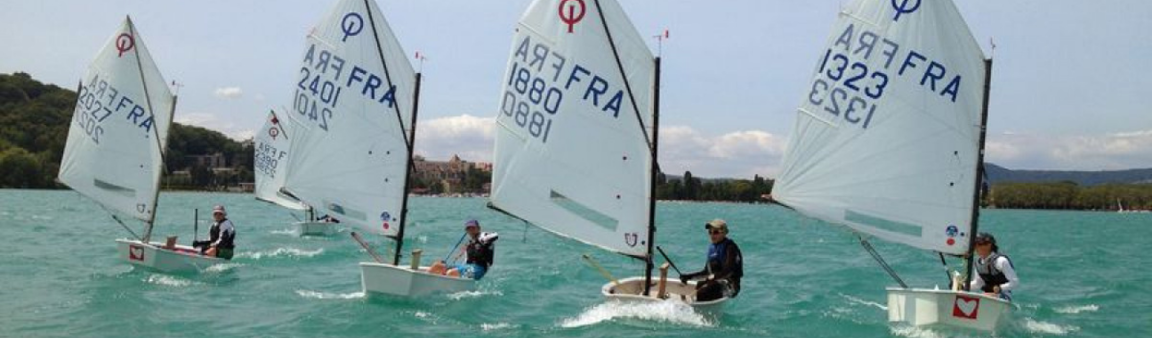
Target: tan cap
{"x": 219, "y": 209}
{"x": 718, "y": 224}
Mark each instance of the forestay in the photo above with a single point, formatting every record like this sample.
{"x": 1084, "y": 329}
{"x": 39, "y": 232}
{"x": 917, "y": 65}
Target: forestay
{"x": 273, "y": 147}
{"x": 572, "y": 141}
{"x": 120, "y": 124}
{"x": 887, "y": 135}
{"x": 353, "y": 96}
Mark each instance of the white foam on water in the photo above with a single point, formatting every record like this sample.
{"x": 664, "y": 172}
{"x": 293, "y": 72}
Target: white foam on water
{"x": 864, "y": 302}
{"x": 1075, "y": 309}
{"x": 327, "y": 295}
{"x": 165, "y": 280}
{"x": 218, "y": 268}
{"x": 671, "y": 311}
{"x": 1035, "y": 326}
{"x": 915, "y": 332}
{"x": 473, "y": 294}
{"x": 290, "y": 232}
{"x": 497, "y": 326}
{"x": 281, "y": 252}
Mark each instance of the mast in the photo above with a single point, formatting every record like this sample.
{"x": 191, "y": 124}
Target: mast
{"x": 411, "y": 171}
{"x": 979, "y": 175}
{"x": 155, "y": 133}
{"x": 655, "y": 172}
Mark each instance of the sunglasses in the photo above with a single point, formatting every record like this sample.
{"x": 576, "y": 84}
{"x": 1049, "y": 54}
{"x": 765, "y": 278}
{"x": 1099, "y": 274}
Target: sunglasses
{"x": 714, "y": 232}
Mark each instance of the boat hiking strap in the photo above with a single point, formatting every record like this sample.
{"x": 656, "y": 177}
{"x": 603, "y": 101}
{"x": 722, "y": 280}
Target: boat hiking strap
{"x": 872, "y": 251}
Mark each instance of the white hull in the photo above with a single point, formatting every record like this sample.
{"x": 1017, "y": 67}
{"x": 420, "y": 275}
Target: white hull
{"x": 154, "y": 256}
{"x": 631, "y": 289}
{"x": 920, "y": 307}
{"x": 316, "y": 228}
{"x": 401, "y": 281}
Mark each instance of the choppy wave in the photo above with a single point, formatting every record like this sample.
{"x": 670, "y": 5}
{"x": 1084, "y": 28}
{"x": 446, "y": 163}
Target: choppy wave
{"x": 280, "y": 252}
{"x": 290, "y": 232}
{"x": 1075, "y": 309}
{"x": 496, "y": 326}
{"x": 327, "y": 295}
{"x": 473, "y": 294}
{"x": 671, "y": 311}
{"x": 1036, "y": 326}
{"x": 166, "y": 280}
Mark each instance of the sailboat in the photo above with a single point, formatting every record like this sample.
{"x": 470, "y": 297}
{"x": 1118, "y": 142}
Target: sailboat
{"x": 889, "y": 142}
{"x": 273, "y": 148}
{"x": 576, "y": 140}
{"x": 356, "y": 102}
{"x": 115, "y": 149}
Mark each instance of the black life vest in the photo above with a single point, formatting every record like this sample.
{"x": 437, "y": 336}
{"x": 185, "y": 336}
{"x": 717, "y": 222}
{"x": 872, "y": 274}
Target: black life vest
{"x": 481, "y": 252}
{"x": 986, "y": 268}
{"x": 229, "y": 238}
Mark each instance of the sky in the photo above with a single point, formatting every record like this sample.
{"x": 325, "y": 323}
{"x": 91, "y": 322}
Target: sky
{"x": 1069, "y": 89}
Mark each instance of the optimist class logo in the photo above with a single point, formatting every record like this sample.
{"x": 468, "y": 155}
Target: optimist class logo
{"x": 575, "y": 12}
{"x": 125, "y": 42}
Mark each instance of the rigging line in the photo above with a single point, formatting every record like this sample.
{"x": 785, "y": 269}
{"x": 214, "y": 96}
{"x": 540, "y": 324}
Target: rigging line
{"x": 876, "y": 255}
{"x": 623, "y": 75}
{"x": 387, "y": 76}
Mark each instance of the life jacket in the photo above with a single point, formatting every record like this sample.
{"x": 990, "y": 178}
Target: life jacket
{"x": 228, "y": 242}
{"x": 986, "y": 268}
{"x": 480, "y": 251}
{"x": 718, "y": 254}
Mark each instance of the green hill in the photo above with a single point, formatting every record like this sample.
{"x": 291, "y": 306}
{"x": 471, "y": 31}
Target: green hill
{"x": 34, "y": 120}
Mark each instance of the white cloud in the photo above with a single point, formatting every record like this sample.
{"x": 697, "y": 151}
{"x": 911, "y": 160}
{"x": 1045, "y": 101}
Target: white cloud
{"x": 469, "y": 136}
{"x": 211, "y": 121}
{"x": 739, "y": 154}
{"x": 229, "y": 92}
{"x": 1113, "y": 151}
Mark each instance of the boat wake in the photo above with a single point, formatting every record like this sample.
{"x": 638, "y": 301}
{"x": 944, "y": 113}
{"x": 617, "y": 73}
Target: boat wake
{"x": 915, "y": 332}
{"x": 280, "y": 252}
{"x": 289, "y": 232}
{"x": 473, "y": 294}
{"x": 667, "y": 312}
{"x": 223, "y": 267}
{"x": 165, "y": 280}
{"x": 1071, "y": 310}
{"x": 859, "y": 301}
{"x": 326, "y": 295}
{"x": 1035, "y": 326}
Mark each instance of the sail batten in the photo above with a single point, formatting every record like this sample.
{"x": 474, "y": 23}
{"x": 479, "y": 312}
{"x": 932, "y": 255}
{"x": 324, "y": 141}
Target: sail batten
{"x": 119, "y": 128}
{"x": 350, "y": 152}
{"x": 887, "y": 135}
{"x": 570, "y": 156}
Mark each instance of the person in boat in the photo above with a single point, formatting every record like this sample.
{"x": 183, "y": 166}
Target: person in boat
{"x": 724, "y": 268}
{"x": 328, "y": 219}
{"x": 479, "y": 252}
{"x": 221, "y": 237}
{"x": 993, "y": 272}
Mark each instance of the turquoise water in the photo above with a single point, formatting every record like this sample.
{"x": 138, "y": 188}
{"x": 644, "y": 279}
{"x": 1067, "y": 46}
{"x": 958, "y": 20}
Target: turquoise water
{"x": 1083, "y": 275}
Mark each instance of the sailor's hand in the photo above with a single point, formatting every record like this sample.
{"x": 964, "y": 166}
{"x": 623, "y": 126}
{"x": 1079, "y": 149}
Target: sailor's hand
{"x": 684, "y": 279}
{"x": 996, "y": 289}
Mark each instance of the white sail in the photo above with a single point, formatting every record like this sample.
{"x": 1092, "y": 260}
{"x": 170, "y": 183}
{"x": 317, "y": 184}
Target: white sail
{"x": 273, "y": 147}
{"x": 572, "y": 142}
{"x": 354, "y": 99}
{"x": 119, "y": 127}
{"x": 888, "y": 133}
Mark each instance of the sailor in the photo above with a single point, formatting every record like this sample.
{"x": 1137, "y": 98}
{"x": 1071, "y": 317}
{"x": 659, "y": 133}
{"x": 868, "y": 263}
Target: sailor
{"x": 993, "y": 273}
{"x": 327, "y": 219}
{"x": 221, "y": 236}
{"x": 724, "y": 268}
{"x": 479, "y": 252}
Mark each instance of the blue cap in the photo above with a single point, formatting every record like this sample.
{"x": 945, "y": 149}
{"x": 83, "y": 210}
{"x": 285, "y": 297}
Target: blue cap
{"x": 471, "y": 223}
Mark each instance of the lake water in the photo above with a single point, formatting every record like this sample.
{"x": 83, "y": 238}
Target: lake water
{"x": 1083, "y": 274}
